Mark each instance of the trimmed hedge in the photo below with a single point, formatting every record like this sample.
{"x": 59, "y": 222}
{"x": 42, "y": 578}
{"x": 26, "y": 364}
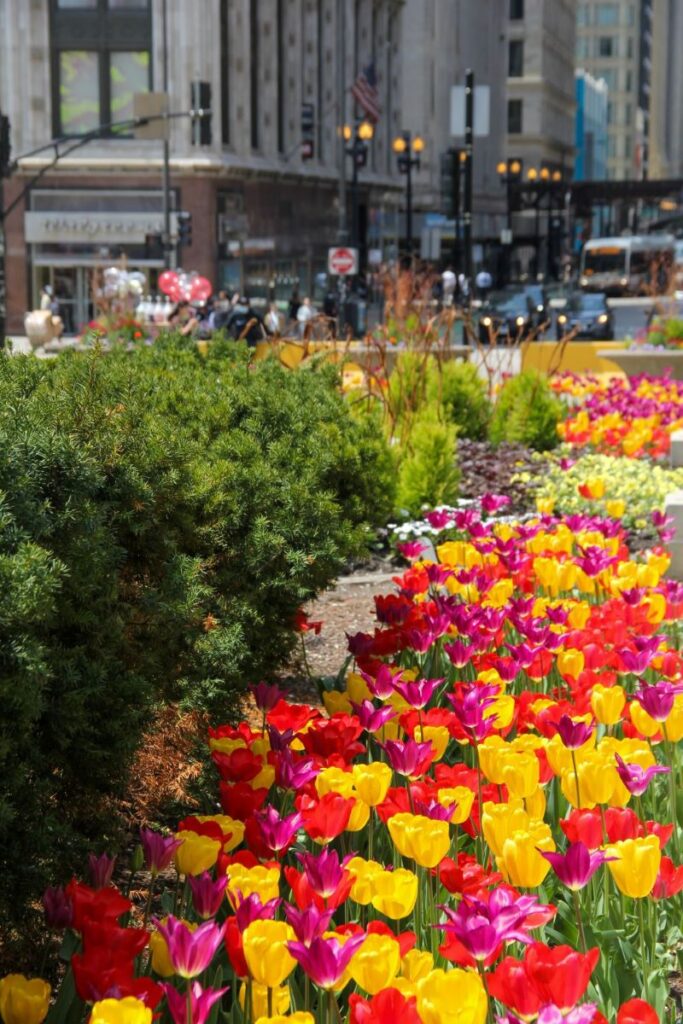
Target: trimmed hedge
{"x": 526, "y": 412}
{"x": 162, "y": 518}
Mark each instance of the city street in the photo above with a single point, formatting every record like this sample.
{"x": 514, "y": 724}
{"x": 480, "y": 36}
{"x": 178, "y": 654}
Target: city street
{"x": 630, "y": 315}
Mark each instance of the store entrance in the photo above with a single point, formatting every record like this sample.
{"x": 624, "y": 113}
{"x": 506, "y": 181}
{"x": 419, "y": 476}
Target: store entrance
{"x": 71, "y": 286}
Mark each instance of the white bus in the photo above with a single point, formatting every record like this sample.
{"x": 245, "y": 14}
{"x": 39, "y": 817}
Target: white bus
{"x": 635, "y": 265}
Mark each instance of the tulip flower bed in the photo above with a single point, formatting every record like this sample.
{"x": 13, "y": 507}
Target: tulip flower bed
{"x": 633, "y": 417}
{"x": 483, "y": 826}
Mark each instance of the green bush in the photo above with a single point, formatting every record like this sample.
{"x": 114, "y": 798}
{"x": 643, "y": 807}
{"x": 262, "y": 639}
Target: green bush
{"x": 139, "y": 495}
{"x": 526, "y": 412}
{"x": 461, "y": 393}
{"x": 428, "y": 473}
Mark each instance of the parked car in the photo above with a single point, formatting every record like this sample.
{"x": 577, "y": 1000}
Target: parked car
{"x": 586, "y": 315}
{"x": 508, "y": 316}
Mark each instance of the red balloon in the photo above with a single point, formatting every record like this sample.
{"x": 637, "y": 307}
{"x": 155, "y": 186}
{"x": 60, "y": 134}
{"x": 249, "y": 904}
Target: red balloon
{"x": 168, "y": 280}
{"x": 200, "y": 289}
{"x": 174, "y": 292}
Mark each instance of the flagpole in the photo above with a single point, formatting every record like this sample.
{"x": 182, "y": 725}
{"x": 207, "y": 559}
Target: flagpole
{"x": 342, "y": 234}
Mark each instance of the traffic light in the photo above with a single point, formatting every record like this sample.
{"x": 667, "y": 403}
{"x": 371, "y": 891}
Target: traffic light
{"x": 200, "y": 103}
{"x": 307, "y": 131}
{"x": 184, "y": 227}
{"x": 5, "y": 146}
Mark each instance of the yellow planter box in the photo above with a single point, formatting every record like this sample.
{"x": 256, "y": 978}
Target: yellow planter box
{"x": 575, "y": 357}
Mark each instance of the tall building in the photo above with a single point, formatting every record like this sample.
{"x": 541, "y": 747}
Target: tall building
{"x": 591, "y": 127}
{"x": 540, "y": 85}
{"x": 441, "y": 40}
{"x": 613, "y": 42}
{"x": 262, "y": 217}
{"x": 666, "y": 110}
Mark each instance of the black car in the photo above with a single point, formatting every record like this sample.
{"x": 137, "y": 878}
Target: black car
{"x": 586, "y": 315}
{"x": 508, "y": 317}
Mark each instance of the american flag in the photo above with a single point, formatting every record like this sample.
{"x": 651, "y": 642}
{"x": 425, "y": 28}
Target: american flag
{"x": 364, "y": 92}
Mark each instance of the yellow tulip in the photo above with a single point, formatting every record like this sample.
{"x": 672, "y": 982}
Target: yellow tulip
{"x": 423, "y": 839}
{"x": 265, "y": 882}
{"x": 300, "y": 1017}
{"x": 520, "y": 861}
{"x": 607, "y": 703}
{"x": 364, "y": 874}
{"x": 357, "y": 688}
{"x": 334, "y": 780}
{"x": 161, "y": 961}
{"x": 615, "y": 508}
{"x": 534, "y": 805}
{"x": 579, "y": 614}
{"x": 674, "y": 723}
{"x": 259, "y": 999}
{"x": 643, "y": 722}
{"x": 229, "y": 826}
{"x": 490, "y": 754}
{"x": 116, "y": 1011}
{"x": 264, "y": 779}
{"x": 417, "y": 964}
{"x": 395, "y": 893}
{"x": 376, "y": 963}
{"x": 461, "y": 797}
{"x": 500, "y": 820}
{"x": 403, "y": 985}
{"x": 636, "y": 865}
{"x": 437, "y": 735}
{"x": 335, "y": 702}
{"x": 453, "y": 997}
{"x": 372, "y": 782}
{"x": 575, "y": 797}
{"x": 24, "y": 1001}
{"x": 196, "y": 854}
{"x": 545, "y": 506}
{"x": 570, "y": 663}
{"x": 520, "y": 773}
{"x": 265, "y": 950}
{"x": 359, "y": 817}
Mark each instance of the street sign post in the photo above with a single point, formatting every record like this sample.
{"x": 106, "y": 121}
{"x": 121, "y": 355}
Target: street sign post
{"x": 342, "y": 260}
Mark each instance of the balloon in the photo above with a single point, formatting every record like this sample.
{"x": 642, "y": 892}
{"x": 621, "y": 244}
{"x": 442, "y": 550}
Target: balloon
{"x": 174, "y": 293}
{"x": 137, "y": 275}
{"x": 111, "y": 275}
{"x": 167, "y": 280}
{"x": 200, "y": 289}
{"x": 134, "y": 287}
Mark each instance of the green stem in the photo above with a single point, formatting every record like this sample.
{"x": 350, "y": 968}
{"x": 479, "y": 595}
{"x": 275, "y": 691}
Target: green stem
{"x": 579, "y": 919}
{"x": 576, "y": 780}
{"x": 189, "y": 1002}
{"x": 643, "y": 960}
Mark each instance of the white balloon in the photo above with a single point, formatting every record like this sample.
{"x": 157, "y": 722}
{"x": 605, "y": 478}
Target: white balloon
{"x": 111, "y": 275}
{"x": 135, "y": 288}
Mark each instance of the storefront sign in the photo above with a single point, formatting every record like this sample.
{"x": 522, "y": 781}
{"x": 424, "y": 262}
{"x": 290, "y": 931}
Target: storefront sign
{"x": 131, "y": 228}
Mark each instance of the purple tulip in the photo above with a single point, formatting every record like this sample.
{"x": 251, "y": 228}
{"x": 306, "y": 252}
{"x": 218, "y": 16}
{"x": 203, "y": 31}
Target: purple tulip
{"x": 434, "y": 810}
{"x": 371, "y": 718}
{"x": 407, "y": 758}
{"x": 576, "y": 867}
{"x": 308, "y": 924}
{"x": 277, "y": 833}
{"x": 158, "y": 850}
{"x": 637, "y": 779}
{"x": 635, "y": 662}
{"x": 325, "y": 960}
{"x": 382, "y": 686}
{"x": 411, "y": 549}
{"x": 58, "y": 908}
{"x": 482, "y": 926}
{"x": 491, "y": 503}
{"x": 469, "y": 710}
{"x": 419, "y": 692}
{"x": 207, "y": 894}
{"x": 101, "y": 869}
{"x": 658, "y": 699}
{"x": 438, "y": 574}
{"x": 325, "y": 872}
{"x": 190, "y": 952}
{"x": 439, "y": 518}
{"x": 458, "y": 653}
{"x": 419, "y": 639}
{"x": 292, "y": 772}
{"x": 574, "y": 732}
{"x": 266, "y": 695}
{"x": 279, "y": 741}
{"x": 249, "y": 908}
{"x": 201, "y": 1001}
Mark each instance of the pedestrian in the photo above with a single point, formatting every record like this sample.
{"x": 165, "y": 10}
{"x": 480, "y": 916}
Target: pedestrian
{"x": 183, "y": 319}
{"x": 272, "y": 321}
{"x": 305, "y": 313}
{"x": 45, "y": 297}
{"x": 483, "y": 281}
{"x": 448, "y": 285}
{"x": 244, "y": 323}
{"x": 220, "y": 312}
{"x": 294, "y": 303}
{"x": 464, "y": 288}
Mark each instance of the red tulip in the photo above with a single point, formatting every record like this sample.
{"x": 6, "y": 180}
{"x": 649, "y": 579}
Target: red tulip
{"x": 509, "y": 983}
{"x": 239, "y": 800}
{"x": 637, "y": 1011}
{"x": 387, "y": 1007}
{"x": 234, "y": 948}
{"x": 559, "y": 975}
{"x": 669, "y": 880}
{"x": 326, "y": 818}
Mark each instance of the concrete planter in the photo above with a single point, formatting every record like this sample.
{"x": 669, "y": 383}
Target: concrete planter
{"x": 656, "y": 362}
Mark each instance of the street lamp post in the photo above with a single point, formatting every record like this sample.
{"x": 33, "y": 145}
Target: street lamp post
{"x": 408, "y": 150}
{"x": 509, "y": 172}
{"x": 544, "y": 182}
{"x": 359, "y": 136}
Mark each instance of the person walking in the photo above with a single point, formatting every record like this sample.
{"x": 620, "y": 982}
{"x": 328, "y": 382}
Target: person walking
{"x": 305, "y": 313}
{"x": 272, "y": 321}
{"x": 483, "y": 281}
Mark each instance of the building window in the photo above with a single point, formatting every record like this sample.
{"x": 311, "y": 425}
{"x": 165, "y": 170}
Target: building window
{"x": 611, "y": 147}
{"x": 627, "y": 147}
{"x": 610, "y": 112}
{"x": 608, "y": 75}
{"x": 515, "y": 117}
{"x": 607, "y": 46}
{"x": 629, "y": 81}
{"x": 516, "y": 10}
{"x": 629, "y": 47}
{"x": 94, "y": 84}
{"x": 583, "y": 47}
{"x": 627, "y": 113}
{"x": 254, "y": 76}
{"x": 606, "y": 14}
{"x": 516, "y": 58}
{"x": 582, "y": 16}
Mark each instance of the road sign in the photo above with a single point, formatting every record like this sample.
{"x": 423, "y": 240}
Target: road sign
{"x": 482, "y": 107}
{"x": 506, "y": 236}
{"x": 342, "y": 260}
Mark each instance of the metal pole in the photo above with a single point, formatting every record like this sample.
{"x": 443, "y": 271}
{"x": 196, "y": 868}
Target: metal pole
{"x": 548, "y": 258}
{"x": 469, "y": 147}
{"x": 169, "y": 254}
{"x": 354, "y": 190}
{"x": 456, "y": 211}
{"x": 508, "y": 247}
{"x": 3, "y": 289}
{"x": 409, "y": 201}
{"x": 342, "y": 231}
